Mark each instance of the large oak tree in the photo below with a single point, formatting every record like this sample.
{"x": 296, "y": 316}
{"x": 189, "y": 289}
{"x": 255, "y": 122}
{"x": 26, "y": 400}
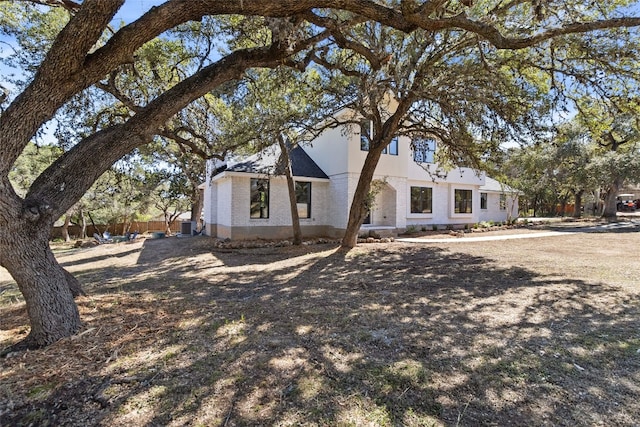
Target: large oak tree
{"x": 85, "y": 52}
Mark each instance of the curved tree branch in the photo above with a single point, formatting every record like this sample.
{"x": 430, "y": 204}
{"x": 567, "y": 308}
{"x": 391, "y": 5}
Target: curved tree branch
{"x": 71, "y": 175}
{"x": 81, "y": 69}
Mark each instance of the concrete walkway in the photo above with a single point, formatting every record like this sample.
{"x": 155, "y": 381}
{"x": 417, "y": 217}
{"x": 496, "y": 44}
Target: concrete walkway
{"x": 465, "y": 239}
{"x": 560, "y": 230}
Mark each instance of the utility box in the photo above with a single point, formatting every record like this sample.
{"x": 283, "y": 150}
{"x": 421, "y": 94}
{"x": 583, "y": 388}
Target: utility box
{"x": 186, "y": 228}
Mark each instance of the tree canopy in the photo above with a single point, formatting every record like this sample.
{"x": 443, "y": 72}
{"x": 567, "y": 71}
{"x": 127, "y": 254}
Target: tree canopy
{"x": 474, "y": 71}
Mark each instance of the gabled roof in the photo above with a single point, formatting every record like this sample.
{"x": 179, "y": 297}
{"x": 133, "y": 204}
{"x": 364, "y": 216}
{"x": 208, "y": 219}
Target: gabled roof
{"x": 269, "y": 162}
{"x": 303, "y": 165}
{"x": 496, "y": 186}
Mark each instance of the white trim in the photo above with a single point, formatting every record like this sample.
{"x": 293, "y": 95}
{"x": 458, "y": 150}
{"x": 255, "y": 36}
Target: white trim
{"x": 475, "y": 202}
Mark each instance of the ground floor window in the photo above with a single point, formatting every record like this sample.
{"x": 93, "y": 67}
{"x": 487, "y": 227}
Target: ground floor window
{"x": 259, "y": 207}
{"x": 483, "y": 200}
{"x": 463, "y": 201}
{"x": 421, "y": 199}
{"x": 503, "y": 202}
{"x": 303, "y": 199}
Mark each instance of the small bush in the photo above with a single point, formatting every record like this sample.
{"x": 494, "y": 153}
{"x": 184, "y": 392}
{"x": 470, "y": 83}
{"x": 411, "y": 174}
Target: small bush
{"x": 411, "y": 229}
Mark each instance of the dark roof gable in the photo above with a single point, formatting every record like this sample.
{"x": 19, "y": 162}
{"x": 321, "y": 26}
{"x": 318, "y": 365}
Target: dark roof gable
{"x": 301, "y": 164}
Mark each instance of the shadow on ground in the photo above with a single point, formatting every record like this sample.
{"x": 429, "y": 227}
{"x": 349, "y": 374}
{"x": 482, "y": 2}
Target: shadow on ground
{"x": 381, "y": 335}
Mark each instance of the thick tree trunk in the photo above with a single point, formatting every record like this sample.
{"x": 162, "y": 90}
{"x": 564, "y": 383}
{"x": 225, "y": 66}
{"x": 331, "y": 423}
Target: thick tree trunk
{"x": 359, "y": 204}
{"x": 167, "y": 223}
{"x": 47, "y": 288}
{"x": 577, "y": 206}
{"x": 295, "y": 218}
{"x": 197, "y": 200}
{"x": 610, "y": 202}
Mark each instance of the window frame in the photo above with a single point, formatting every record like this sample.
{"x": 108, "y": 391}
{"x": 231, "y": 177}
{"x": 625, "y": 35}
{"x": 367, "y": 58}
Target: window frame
{"x": 484, "y": 201}
{"x": 468, "y": 202}
{"x": 392, "y": 148}
{"x": 424, "y": 150}
{"x": 503, "y": 202}
{"x": 421, "y": 200}
{"x": 365, "y": 135}
{"x": 307, "y": 202}
{"x": 263, "y": 208}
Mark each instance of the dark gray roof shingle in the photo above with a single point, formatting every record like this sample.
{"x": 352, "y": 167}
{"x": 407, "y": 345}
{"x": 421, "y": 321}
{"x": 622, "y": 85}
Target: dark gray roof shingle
{"x": 270, "y": 163}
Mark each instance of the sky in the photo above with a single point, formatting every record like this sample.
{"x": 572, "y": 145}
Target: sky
{"x": 129, "y": 12}
{"x": 133, "y": 9}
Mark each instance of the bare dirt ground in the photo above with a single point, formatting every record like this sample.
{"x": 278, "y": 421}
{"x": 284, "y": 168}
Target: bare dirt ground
{"x": 541, "y": 331}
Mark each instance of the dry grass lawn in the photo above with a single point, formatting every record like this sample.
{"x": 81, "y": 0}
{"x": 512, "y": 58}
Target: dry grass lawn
{"x": 541, "y": 331}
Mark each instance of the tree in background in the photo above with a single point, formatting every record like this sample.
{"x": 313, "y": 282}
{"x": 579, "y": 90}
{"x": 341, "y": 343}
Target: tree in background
{"x": 571, "y": 156}
{"x": 552, "y": 172}
{"x": 572, "y": 164}
{"x": 171, "y": 195}
{"x": 615, "y": 132}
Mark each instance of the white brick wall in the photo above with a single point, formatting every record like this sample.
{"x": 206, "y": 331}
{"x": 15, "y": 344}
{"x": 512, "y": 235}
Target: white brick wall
{"x": 493, "y": 211}
{"x": 340, "y": 200}
{"x": 279, "y": 209}
{"x": 224, "y": 201}
{"x": 211, "y": 203}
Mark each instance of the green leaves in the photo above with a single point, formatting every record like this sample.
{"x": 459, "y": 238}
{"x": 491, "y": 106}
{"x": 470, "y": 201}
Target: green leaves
{"x": 33, "y": 160}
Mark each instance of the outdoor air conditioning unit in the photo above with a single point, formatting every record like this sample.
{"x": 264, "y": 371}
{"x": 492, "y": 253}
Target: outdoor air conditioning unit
{"x": 186, "y": 228}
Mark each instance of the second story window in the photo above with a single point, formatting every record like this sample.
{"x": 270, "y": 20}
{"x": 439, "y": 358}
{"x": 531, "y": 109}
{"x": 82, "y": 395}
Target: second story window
{"x": 424, "y": 150}
{"x": 365, "y": 135}
{"x": 392, "y": 148}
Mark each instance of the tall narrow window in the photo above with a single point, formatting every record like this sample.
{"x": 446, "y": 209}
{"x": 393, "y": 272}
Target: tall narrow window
{"x": 483, "y": 200}
{"x": 424, "y": 150}
{"x": 463, "y": 201}
{"x": 503, "y": 202}
{"x": 421, "y": 199}
{"x": 259, "y": 198}
{"x": 365, "y": 135}
{"x": 392, "y": 148}
{"x": 303, "y": 199}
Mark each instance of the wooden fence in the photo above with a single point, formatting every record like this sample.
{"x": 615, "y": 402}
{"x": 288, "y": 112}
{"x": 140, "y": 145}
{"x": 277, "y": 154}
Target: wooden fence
{"x": 117, "y": 229}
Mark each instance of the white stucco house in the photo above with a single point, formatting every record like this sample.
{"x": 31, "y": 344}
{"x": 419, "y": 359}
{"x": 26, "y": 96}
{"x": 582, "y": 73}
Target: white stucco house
{"x": 248, "y": 199}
